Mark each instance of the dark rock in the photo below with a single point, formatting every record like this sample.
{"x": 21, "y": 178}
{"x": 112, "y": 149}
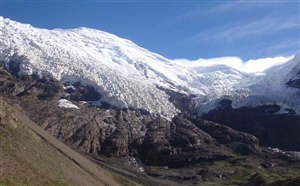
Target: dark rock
{"x": 176, "y": 144}
{"x": 182, "y": 101}
{"x": 115, "y": 132}
{"x": 43, "y": 88}
{"x": 225, "y": 104}
{"x": 267, "y": 164}
{"x": 14, "y": 67}
{"x": 79, "y": 92}
{"x": 295, "y": 81}
{"x": 117, "y": 143}
{"x": 264, "y": 123}
{"x": 240, "y": 142}
{"x": 46, "y": 88}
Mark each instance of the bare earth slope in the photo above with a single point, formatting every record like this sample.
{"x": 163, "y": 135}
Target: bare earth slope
{"x": 29, "y": 155}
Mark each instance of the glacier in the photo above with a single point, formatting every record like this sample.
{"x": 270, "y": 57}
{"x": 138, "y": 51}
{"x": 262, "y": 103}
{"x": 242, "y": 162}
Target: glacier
{"x": 129, "y": 76}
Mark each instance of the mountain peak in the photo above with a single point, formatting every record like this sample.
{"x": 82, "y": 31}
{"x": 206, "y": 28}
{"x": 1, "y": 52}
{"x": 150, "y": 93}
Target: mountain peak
{"x": 121, "y": 71}
{"x": 129, "y": 76}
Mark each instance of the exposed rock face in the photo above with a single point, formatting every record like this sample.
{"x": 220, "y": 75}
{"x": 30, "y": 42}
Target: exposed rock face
{"x": 115, "y": 132}
{"x": 182, "y": 101}
{"x": 240, "y": 142}
{"x": 177, "y": 143}
{"x": 123, "y": 132}
{"x": 295, "y": 82}
{"x": 79, "y": 92}
{"x": 42, "y": 88}
{"x": 14, "y": 67}
{"x": 273, "y": 125}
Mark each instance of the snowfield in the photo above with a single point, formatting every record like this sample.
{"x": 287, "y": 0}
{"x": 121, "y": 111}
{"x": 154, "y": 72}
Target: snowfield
{"x": 128, "y": 76}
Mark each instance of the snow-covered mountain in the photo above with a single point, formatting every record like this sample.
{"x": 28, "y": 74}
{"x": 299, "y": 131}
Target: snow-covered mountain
{"x": 127, "y": 75}
{"x": 124, "y": 73}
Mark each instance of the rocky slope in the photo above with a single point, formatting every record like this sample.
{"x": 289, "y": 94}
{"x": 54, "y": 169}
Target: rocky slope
{"x": 121, "y": 132}
{"x": 274, "y": 126}
{"x": 30, "y": 156}
{"x": 294, "y": 81}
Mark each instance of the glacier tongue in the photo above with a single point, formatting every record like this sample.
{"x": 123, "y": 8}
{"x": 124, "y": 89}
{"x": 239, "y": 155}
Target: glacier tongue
{"x": 127, "y": 75}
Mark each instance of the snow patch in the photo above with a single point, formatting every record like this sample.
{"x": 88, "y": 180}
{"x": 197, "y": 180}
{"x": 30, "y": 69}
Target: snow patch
{"x": 282, "y": 111}
{"x": 69, "y": 87}
{"x": 66, "y": 104}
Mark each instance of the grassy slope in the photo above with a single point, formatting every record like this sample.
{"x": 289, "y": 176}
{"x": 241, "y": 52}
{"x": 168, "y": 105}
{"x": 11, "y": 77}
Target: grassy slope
{"x": 30, "y": 156}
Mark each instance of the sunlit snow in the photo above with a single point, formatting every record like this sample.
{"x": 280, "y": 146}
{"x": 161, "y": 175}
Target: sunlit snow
{"x": 127, "y": 75}
{"x": 66, "y": 104}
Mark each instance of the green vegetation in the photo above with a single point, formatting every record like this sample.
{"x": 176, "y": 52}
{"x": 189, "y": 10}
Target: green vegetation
{"x": 122, "y": 181}
{"x": 249, "y": 171}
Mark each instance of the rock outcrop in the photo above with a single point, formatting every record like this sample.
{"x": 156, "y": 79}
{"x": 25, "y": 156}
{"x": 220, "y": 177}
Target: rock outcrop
{"x": 295, "y": 82}
{"x": 273, "y": 125}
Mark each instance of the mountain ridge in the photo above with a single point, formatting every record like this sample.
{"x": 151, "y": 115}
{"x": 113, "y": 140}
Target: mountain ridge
{"x": 105, "y": 96}
{"x": 128, "y": 76}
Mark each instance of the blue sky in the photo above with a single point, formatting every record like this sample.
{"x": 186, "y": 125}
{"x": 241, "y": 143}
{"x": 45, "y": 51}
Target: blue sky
{"x": 176, "y": 29}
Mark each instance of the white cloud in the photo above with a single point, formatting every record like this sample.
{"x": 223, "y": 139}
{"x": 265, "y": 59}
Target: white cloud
{"x": 250, "y": 66}
{"x": 217, "y": 8}
{"x": 287, "y": 46}
{"x": 259, "y": 27}
{"x": 259, "y": 65}
{"x": 227, "y": 6}
{"x": 234, "y": 62}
